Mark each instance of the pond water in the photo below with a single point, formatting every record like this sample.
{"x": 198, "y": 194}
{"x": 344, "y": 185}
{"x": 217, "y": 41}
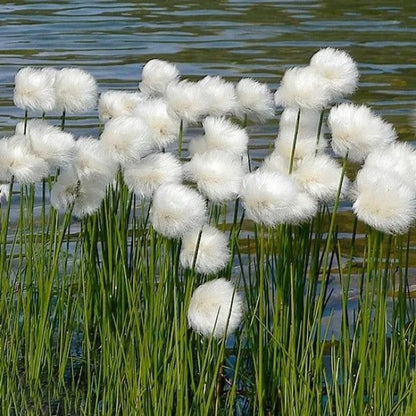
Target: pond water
{"x": 234, "y": 38}
{"x": 260, "y": 39}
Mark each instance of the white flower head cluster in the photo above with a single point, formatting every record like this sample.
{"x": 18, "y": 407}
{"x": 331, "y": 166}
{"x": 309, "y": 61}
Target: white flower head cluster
{"x": 218, "y": 174}
{"x": 48, "y": 142}
{"x": 338, "y": 69}
{"x": 114, "y": 103}
{"x": 156, "y": 75}
{"x": 302, "y": 87}
{"x": 271, "y": 198}
{"x": 254, "y": 100}
{"x": 46, "y": 89}
{"x": 384, "y": 191}
{"x": 176, "y": 210}
{"x": 76, "y": 90}
{"x": 218, "y": 96}
{"x": 186, "y": 100}
{"x": 127, "y": 139}
{"x": 356, "y": 131}
{"x": 161, "y": 123}
{"x": 209, "y": 245}
{"x": 216, "y": 309}
{"x": 330, "y": 75}
{"x": 81, "y": 186}
{"x": 320, "y": 176}
{"x": 154, "y": 170}
{"x": 80, "y": 197}
{"x": 34, "y": 89}
{"x": 18, "y": 163}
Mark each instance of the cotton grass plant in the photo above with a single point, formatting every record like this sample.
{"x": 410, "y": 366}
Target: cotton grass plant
{"x": 147, "y": 270}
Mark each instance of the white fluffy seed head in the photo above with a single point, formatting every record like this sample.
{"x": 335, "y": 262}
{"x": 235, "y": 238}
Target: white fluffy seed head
{"x": 92, "y": 162}
{"x": 177, "y": 209}
{"x": 271, "y": 198}
{"x": 145, "y": 176}
{"x": 34, "y": 89}
{"x": 320, "y": 177}
{"x": 338, "y": 69}
{"x": 16, "y": 160}
{"x": 222, "y": 134}
{"x": 212, "y": 251}
{"x": 113, "y": 103}
{"x": 356, "y": 131}
{"x": 156, "y": 75}
{"x": 218, "y": 174}
{"x": 302, "y": 87}
{"x": 254, "y": 100}
{"x": 161, "y": 123}
{"x": 216, "y": 309}
{"x": 186, "y": 100}
{"x": 275, "y": 162}
{"x": 398, "y": 158}
{"x": 384, "y": 203}
{"x": 84, "y": 197}
{"x": 218, "y": 96}
{"x": 76, "y": 90}
{"x": 126, "y": 139}
{"x": 48, "y": 142}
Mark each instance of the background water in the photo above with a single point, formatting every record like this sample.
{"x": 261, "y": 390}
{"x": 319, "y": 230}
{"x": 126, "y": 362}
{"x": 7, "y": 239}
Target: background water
{"x": 234, "y": 38}
{"x": 260, "y": 39}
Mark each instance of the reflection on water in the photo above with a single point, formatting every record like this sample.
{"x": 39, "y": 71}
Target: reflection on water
{"x": 235, "y": 38}
{"x": 231, "y": 38}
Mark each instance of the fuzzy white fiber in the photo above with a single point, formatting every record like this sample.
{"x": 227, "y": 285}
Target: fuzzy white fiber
{"x": 197, "y": 145}
{"x": 34, "y": 89}
{"x": 163, "y": 126}
{"x": 212, "y": 253}
{"x": 222, "y": 134}
{"x": 308, "y": 124}
{"x": 216, "y": 309}
{"x": 114, "y": 103}
{"x": 271, "y": 198}
{"x": 275, "y": 162}
{"x": 218, "y": 96}
{"x": 304, "y": 148}
{"x": 302, "y": 87}
{"x": 356, "y": 131}
{"x": 145, "y": 176}
{"x": 186, "y": 100}
{"x": 254, "y": 100}
{"x": 384, "y": 202}
{"x": 17, "y": 161}
{"x": 4, "y": 192}
{"x": 156, "y": 75}
{"x": 92, "y": 162}
{"x": 48, "y": 142}
{"x": 126, "y": 139}
{"x": 84, "y": 197}
{"x": 320, "y": 177}
{"x": 177, "y": 209}
{"x": 398, "y": 158}
{"x": 76, "y": 90}
{"x": 218, "y": 174}
{"x": 338, "y": 69}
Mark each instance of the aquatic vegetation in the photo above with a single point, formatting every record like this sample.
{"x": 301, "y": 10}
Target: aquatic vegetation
{"x": 158, "y": 268}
